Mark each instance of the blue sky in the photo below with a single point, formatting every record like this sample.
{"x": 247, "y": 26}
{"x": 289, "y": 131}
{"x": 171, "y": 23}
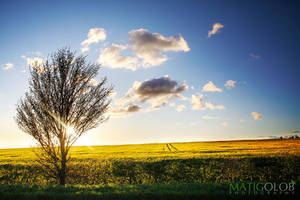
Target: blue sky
{"x": 255, "y": 44}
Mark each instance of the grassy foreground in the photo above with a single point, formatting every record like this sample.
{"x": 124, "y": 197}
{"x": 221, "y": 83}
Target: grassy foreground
{"x": 129, "y": 192}
{"x": 180, "y": 191}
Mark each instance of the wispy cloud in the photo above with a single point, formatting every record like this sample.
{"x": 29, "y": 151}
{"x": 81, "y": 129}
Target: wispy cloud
{"x": 198, "y": 104}
{"x": 254, "y": 56}
{"x": 210, "y": 117}
{"x": 210, "y": 87}
{"x": 230, "y": 84}
{"x": 95, "y": 35}
{"x": 148, "y": 50}
{"x": 213, "y": 107}
{"x": 256, "y": 116}
{"x": 122, "y": 111}
{"x": 215, "y": 29}
{"x": 7, "y": 66}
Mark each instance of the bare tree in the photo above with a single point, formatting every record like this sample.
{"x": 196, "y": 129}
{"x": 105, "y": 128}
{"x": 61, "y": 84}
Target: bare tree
{"x": 63, "y": 102}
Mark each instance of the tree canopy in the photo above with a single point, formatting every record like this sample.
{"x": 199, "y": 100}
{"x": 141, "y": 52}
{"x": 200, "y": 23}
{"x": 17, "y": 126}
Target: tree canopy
{"x": 63, "y": 102}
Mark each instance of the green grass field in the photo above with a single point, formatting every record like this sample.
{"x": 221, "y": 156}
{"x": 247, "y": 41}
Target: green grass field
{"x": 174, "y": 171}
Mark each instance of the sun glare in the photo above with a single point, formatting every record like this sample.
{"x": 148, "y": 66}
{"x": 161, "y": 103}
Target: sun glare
{"x": 70, "y": 130}
{"x": 82, "y": 141}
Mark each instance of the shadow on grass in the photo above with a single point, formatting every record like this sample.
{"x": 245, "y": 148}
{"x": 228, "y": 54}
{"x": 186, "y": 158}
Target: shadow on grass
{"x": 126, "y": 192}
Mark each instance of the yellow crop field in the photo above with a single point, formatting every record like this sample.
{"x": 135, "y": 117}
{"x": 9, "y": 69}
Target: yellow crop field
{"x": 159, "y": 151}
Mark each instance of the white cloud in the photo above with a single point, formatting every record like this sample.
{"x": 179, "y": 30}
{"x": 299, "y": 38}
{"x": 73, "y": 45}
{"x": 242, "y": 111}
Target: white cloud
{"x": 148, "y": 50}
{"x": 216, "y": 29}
{"x": 112, "y": 57}
{"x": 149, "y": 46}
{"x": 230, "y": 84}
{"x": 95, "y": 35}
{"x": 210, "y": 87}
{"x": 180, "y": 108}
{"x": 213, "y": 107}
{"x": 256, "y": 115}
{"x": 209, "y": 117}
{"x": 224, "y": 124}
{"x": 198, "y": 104}
{"x": 7, "y": 66}
{"x": 156, "y": 106}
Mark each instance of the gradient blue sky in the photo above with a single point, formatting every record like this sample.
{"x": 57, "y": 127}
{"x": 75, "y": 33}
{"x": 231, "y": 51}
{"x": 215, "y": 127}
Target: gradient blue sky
{"x": 258, "y": 47}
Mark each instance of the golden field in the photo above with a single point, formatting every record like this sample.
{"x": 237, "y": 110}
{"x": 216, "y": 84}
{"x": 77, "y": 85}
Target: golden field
{"x": 159, "y": 151}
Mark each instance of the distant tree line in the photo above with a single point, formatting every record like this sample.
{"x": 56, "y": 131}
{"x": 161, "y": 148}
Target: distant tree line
{"x": 289, "y": 137}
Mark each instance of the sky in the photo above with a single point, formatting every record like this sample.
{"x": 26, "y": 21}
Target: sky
{"x": 181, "y": 70}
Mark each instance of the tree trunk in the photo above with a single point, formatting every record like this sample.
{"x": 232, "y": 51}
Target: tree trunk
{"x": 62, "y": 176}
{"x": 63, "y": 168}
